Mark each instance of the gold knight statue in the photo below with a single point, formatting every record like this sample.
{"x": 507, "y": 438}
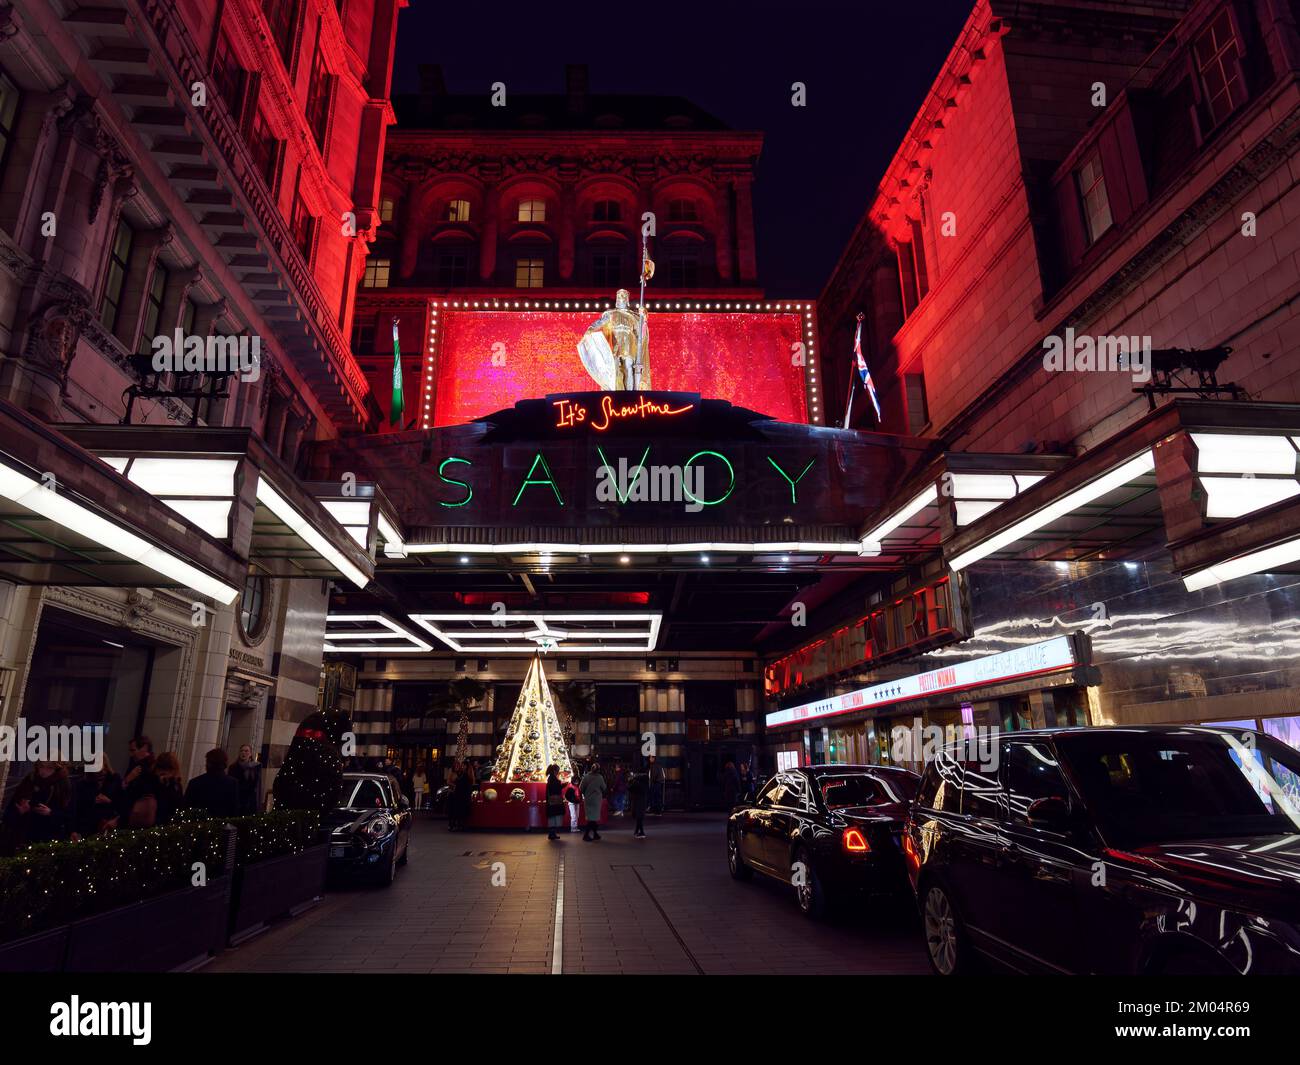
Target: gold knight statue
{"x": 615, "y": 347}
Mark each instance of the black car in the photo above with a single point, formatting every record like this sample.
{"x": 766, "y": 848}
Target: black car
{"x": 830, "y": 831}
{"x": 1111, "y": 850}
{"x": 370, "y": 832}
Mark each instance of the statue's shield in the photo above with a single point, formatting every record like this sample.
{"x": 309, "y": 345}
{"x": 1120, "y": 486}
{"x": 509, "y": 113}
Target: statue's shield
{"x": 594, "y": 350}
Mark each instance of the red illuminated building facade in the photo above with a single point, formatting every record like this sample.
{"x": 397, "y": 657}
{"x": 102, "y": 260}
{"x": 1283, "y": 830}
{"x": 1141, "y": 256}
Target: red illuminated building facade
{"x": 1105, "y": 179}
{"x": 206, "y": 169}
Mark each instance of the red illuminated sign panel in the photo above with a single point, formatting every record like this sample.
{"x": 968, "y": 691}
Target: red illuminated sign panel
{"x": 925, "y": 616}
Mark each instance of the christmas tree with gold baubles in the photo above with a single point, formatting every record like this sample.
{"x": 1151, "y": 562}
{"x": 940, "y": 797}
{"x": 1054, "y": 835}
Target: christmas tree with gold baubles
{"x": 534, "y": 738}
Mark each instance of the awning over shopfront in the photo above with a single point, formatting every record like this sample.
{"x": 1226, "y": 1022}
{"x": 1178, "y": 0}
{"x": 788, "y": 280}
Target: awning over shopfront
{"x": 1216, "y": 483}
{"x": 228, "y": 483}
{"x": 67, "y": 518}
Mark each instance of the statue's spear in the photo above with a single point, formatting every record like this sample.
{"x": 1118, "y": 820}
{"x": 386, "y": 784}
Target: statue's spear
{"x": 647, "y": 272}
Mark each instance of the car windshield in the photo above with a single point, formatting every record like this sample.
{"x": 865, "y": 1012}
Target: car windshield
{"x": 363, "y": 793}
{"x": 1155, "y": 787}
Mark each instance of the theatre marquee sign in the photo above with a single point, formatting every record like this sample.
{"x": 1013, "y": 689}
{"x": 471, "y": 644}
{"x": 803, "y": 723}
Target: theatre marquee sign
{"x": 924, "y": 617}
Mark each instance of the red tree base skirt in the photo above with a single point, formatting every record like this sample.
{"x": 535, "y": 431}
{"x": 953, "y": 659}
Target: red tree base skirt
{"x": 507, "y": 809}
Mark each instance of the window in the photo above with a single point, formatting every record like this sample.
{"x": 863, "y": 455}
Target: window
{"x": 229, "y": 77}
{"x": 1092, "y": 195}
{"x": 795, "y": 793}
{"x": 281, "y": 16}
{"x": 153, "y": 304}
{"x": 683, "y": 270}
{"x": 252, "y": 606}
{"x": 683, "y": 210}
{"x": 912, "y": 273}
{"x": 9, "y": 97}
{"x": 981, "y": 791}
{"x": 386, "y": 206}
{"x": 319, "y": 94}
{"x": 264, "y": 149}
{"x": 458, "y": 211}
{"x": 529, "y": 273}
{"x": 119, "y": 257}
{"x": 607, "y": 211}
{"x": 1218, "y": 60}
{"x": 302, "y": 226}
{"x": 1032, "y": 774}
{"x": 363, "y": 338}
{"x": 606, "y": 268}
{"x": 941, "y": 786}
{"x": 453, "y": 267}
{"x": 532, "y": 210}
{"x": 187, "y": 317}
{"x": 376, "y": 274}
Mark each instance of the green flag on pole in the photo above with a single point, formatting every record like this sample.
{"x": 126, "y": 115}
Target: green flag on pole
{"x": 395, "y": 418}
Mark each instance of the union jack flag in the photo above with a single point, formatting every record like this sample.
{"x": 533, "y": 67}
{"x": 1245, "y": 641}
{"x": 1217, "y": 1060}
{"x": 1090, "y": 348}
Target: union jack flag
{"x": 864, "y": 372}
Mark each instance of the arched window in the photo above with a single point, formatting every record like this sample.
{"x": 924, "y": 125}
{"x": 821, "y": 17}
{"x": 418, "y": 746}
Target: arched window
{"x": 683, "y": 209}
{"x": 458, "y": 211}
{"x": 606, "y": 211}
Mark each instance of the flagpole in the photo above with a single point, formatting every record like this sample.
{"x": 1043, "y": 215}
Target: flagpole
{"x": 853, "y": 373}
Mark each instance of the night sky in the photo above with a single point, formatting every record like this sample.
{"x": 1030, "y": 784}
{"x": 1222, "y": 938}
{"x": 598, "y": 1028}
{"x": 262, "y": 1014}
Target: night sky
{"x": 867, "y": 66}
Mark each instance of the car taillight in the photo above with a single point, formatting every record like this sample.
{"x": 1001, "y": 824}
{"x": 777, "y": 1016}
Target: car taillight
{"x": 854, "y": 842}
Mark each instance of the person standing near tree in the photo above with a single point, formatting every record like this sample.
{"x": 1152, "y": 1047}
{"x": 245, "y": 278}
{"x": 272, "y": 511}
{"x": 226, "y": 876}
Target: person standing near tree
{"x": 554, "y": 802}
{"x": 638, "y": 788}
{"x": 593, "y": 790}
{"x": 247, "y": 773}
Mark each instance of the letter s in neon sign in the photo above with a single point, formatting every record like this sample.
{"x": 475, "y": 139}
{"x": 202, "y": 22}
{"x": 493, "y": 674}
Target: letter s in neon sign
{"x": 469, "y": 492}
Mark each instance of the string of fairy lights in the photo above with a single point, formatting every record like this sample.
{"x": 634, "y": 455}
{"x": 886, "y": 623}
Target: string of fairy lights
{"x": 804, "y": 309}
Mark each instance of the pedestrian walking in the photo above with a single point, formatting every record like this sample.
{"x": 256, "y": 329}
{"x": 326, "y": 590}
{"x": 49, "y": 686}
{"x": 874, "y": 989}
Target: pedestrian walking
{"x": 730, "y": 785}
{"x": 593, "y": 790}
{"x": 658, "y": 778}
{"x": 554, "y": 802}
{"x": 572, "y": 796}
{"x": 638, "y": 791}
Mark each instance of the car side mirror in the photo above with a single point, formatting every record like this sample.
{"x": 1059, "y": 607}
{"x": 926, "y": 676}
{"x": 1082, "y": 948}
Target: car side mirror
{"x": 1052, "y": 813}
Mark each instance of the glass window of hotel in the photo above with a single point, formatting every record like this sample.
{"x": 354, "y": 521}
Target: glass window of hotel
{"x": 9, "y": 97}
{"x": 458, "y": 211}
{"x": 376, "y": 273}
{"x": 281, "y": 16}
{"x": 119, "y": 257}
{"x": 452, "y": 267}
{"x": 532, "y": 211}
{"x": 252, "y": 606}
{"x": 229, "y": 77}
{"x": 1092, "y": 195}
{"x": 529, "y": 273}
{"x": 606, "y": 268}
{"x": 319, "y": 93}
{"x": 386, "y": 206}
{"x": 302, "y": 226}
{"x": 1218, "y": 60}
{"x": 363, "y": 338}
{"x": 913, "y": 278}
{"x": 682, "y": 209}
{"x": 264, "y": 149}
{"x": 684, "y": 269}
{"x": 153, "y": 304}
{"x": 606, "y": 211}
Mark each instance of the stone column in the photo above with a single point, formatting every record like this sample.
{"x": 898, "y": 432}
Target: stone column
{"x": 568, "y": 224}
{"x": 723, "y": 233}
{"x": 487, "y": 249}
{"x": 745, "y": 244}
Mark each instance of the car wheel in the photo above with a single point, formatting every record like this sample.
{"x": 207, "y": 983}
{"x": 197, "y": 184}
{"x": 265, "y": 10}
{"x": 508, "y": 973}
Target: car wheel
{"x": 388, "y": 873}
{"x": 735, "y": 863}
{"x": 809, "y": 892}
{"x": 945, "y": 938}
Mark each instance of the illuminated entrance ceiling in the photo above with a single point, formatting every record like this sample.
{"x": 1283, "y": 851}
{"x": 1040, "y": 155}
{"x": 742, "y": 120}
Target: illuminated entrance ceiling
{"x": 504, "y": 632}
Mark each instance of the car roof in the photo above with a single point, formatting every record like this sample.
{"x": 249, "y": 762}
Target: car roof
{"x": 1103, "y": 730}
{"x": 354, "y": 775}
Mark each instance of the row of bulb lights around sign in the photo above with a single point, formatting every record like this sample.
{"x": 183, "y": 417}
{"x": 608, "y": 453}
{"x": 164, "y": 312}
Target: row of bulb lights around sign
{"x": 587, "y": 305}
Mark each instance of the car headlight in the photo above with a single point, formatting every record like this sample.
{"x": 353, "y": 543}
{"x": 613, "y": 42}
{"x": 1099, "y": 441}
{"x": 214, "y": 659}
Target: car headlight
{"x": 378, "y": 828}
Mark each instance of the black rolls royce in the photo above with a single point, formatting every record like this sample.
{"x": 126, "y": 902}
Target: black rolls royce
{"x": 830, "y": 831}
{"x": 370, "y": 831}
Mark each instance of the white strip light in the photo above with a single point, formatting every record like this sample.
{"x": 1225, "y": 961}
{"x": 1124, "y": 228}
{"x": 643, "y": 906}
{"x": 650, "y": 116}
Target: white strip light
{"x": 1239, "y": 453}
{"x": 1116, "y": 478}
{"x": 393, "y": 546}
{"x": 388, "y": 628}
{"x": 71, "y": 515}
{"x": 873, "y": 538}
{"x": 353, "y": 515}
{"x": 1269, "y": 558}
{"x": 852, "y": 547}
{"x": 1231, "y": 497}
{"x": 282, "y": 509}
{"x": 540, "y": 626}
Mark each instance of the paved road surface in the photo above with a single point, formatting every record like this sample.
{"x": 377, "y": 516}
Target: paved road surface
{"x": 661, "y": 905}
